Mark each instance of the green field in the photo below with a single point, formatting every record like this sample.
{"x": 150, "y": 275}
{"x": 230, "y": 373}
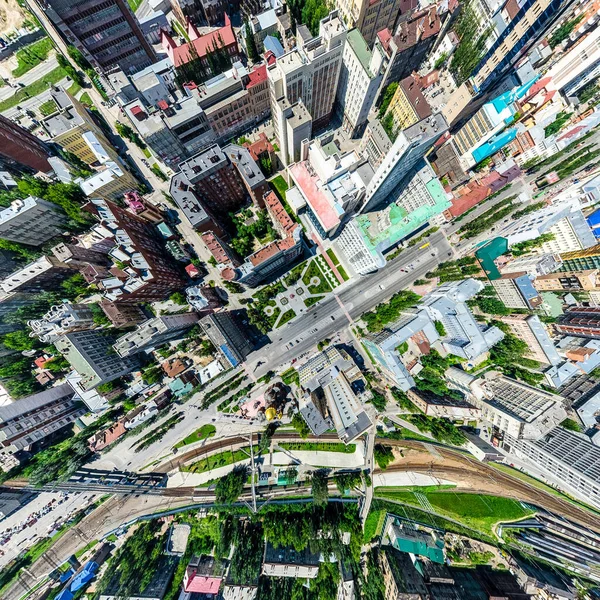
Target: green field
{"x": 476, "y": 511}
{"x": 374, "y": 524}
{"x": 229, "y": 457}
{"x": 319, "y": 447}
{"x": 288, "y": 315}
{"x": 204, "y": 432}
{"x": 32, "y": 55}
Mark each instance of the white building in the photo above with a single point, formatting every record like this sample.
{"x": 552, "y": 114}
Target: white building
{"x": 61, "y": 319}
{"x": 360, "y": 78}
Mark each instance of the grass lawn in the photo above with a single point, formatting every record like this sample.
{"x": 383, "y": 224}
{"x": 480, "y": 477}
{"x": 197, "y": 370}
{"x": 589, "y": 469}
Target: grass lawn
{"x": 314, "y": 271}
{"x": 86, "y": 99}
{"x": 74, "y": 89}
{"x": 134, "y": 4}
{"x": 229, "y": 457}
{"x": 313, "y": 300}
{"x": 147, "y": 152}
{"x": 343, "y": 273}
{"x": 288, "y": 315}
{"x": 374, "y": 524}
{"x": 273, "y": 318}
{"x": 402, "y": 433}
{"x": 48, "y": 107}
{"x": 319, "y": 447}
{"x": 204, "y": 432}
{"x": 87, "y": 547}
{"x": 333, "y": 257}
{"x": 36, "y": 88}
{"x": 477, "y": 511}
{"x": 32, "y": 55}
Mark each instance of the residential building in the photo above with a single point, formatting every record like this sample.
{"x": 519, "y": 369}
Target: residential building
{"x": 31, "y": 221}
{"x": 408, "y": 105}
{"x": 375, "y": 143}
{"x": 519, "y": 29}
{"x": 272, "y": 257}
{"x": 409, "y": 47}
{"x": 329, "y": 184}
{"x": 27, "y": 423}
{"x": 567, "y": 459}
{"x": 221, "y": 251}
{"x": 249, "y": 172}
{"x": 580, "y": 321}
{"x": 21, "y": 151}
{"x": 515, "y": 408}
{"x": 293, "y": 124}
{"x": 204, "y": 575}
{"x": 400, "y": 575}
{"x": 44, "y": 274}
{"x": 79, "y": 255}
{"x": 517, "y": 290}
{"x": 580, "y": 260}
{"x": 152, "y": 24}
{"x": 568, "y": 281}
{"x": 60, "y": 319}
{"x": 310, "y": 72}
{"x": 154, "y": 333}
{"x": 360, "y": 78}
{"x": 366, "y": 238}
{"x": 286, "y": 562}
{"x": 410, "y": 147}
{"x": 143, "y": 271}
{"x": 263, "y": 23}
{"x": 90, "y": 353}
{"x": 529, "y": 329}
{"x": 433, "y": 405}
{"x": 200, "y": 11}
{"x": 122, "y": 315}
{"x": 580, "y": 359}
{"x": 222, "y": 39}
{"x": 110, "y": 183}
{"x": 227, "y": 336}
{"x": 536, "y": 265}
{"x": 108, "y": 35}
{"x": 142, "y": 208}
{"x": 263, "y": 150}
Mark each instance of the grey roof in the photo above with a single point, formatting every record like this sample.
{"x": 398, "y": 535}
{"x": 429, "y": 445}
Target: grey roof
{"x": 289, "y": 556}
{"x": 245, "y": 164}
{"x": 182, "y": 191}
{"x": 20, "y": 407}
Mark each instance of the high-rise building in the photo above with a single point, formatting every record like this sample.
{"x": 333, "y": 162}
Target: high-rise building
{"x": 122, "y": 315}
{"x": 529, "y": 329}
{"x": 311, "y": 71}
{"x": 366, "y": 238}
{"x": 410, "y": 147}
{"x": 375, "y": 142}
{"x": 292, "y": 124}
{"x": 61, "y": 319}
{"x": 91, "y": 354}
{"x": 408, "y": 105}
{"x": 22, "y": 151}
{"x": 25, "y": 424}
{"x": 580, "y": 260}
{"x": 154, "y": 333}
{"x": 227, "y": 336}
{"x": 31, "y": 221}
{"x": 539, "y": 264}
{"x": 520, "y": 27}
{"x": 516, "y": 290}
{"x": 79, "y": 255}
{"x": 106, "y": 33}
{"x": 360, "y": 78}
{"x": 582, "y": 321}
{"x": 42, "y": 275}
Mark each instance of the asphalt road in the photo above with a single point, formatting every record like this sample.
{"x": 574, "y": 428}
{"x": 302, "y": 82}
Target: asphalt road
{"x": 352, "y": 300}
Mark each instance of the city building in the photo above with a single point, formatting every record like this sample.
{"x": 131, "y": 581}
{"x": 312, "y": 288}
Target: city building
{"x": 199, "y": 11}
{"x": 408, "y": 105}
{"x": 310, "y": 72}
{"x": 517, "y": 290}
{"x": 581, "y": 260}
{"x": 122, "y": 315}
{"x": 143, "y": 271}
{"x": 360, "y": 78}
{"x": 204, "y": 575}
{"x": 27, "y": 423}
{"x": 154, "y": 333}
{"x": 375, "y": 142}
{"x": 91, "y": 354}
{"x": 79, "y": 255}
{"x": 197, "y": 51}
{"x": 263, "y": 23}
{"x": 514, "y": 408}
{"x": 227, "y": 336}
{"x": 568, "y": 281}
{"x": 536, "y": 265}
{"x": 107, "y": 34}
{"x": 529, "y": 329}
{"x": 580, "y": 321}
{"x": 293, "y": 125}
{"x": 43, "y": 275}
{"x": 250, "y": 174}
{"x": 366, "y": 238}
{"x": 329, "y": 183}
{"x": 433, "y": 405}
{"x": 263, "y": 150}
{"x": 20, "y": 151}
{"x": 61, "y": 319}
{"x": 410, "y": 46}
{"x": 31, "y": 221}
{"x": 285, "y": 561}
{"x": 112, "y": 182}
{"x": 410, "y": 147}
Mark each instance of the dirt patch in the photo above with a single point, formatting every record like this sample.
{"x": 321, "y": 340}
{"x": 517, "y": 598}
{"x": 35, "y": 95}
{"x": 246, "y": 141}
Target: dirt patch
{"x": 12, "y": 16}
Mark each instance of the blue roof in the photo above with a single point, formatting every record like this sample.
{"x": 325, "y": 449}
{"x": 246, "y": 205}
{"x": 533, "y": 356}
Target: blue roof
{"x": 274, "y": 45}
{"x": 494, "y": 144}
{"x": 86, "y": 575}
{"x": 65, "y": 595}
{"x": 594, "y": 219}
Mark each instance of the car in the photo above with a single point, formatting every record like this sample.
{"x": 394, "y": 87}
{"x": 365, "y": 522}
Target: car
{"x": 332, "y": 318}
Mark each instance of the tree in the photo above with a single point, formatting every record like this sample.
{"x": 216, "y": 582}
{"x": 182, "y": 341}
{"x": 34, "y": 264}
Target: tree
{"x": 320, "y": 491}
{"x": 70, "y": 70}
{"x": 250, "y": 44}
{"x": 80, "y": 60}
{"x": 390, "y": 90}
{"x": 312, "y": 13}
{"x": 152, "y": 374}
{"x": 441, "y": 61}
{"x": 439, "y": 327}
{"x": 230, "y": 487}
{"x": 74, "y": 286}
{"x": 19, "y": 340}
{"x": 299, "y": 424}
{"x": 128, "y": 133}
{"x": 178, "y": 298}
{"x": 347, "y": 481}
{"x": 383, "y": 456}
{"x": 378, "y": 400}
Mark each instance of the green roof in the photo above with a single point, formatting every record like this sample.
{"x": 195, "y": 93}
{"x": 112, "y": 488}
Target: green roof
{"x": 358, "y": 44}
{"x": 488, "y": 253}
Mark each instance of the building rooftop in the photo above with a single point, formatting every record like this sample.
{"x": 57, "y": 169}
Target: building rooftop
{"x": 421, "y": 26}
{"x": 361, "y": 49}
{"x": 413, "y": 93}
{"x": 289, "y": 556}
{"x": 245, "y": 164}
{"x": 33, "y": 403}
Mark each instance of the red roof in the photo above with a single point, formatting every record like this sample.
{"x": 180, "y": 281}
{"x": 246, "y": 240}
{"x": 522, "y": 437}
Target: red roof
{"x": 270, "y": 57}
{"x": 463, "y": 203}
{"x": 384, "y": 37}
{"x": 257, "y": 75}
{"x": 191, "y": 270}
{"x": 163, "y": 104}
{"x": 201, "y": 584}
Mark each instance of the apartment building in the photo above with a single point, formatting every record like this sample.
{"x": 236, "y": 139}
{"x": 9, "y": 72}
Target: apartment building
{"x": 60, "y": 319}
{"x": 122, "y": 315}
{"x": 581, "y": 260}
{"x": 529, "y": 329}
{"x": 154, "y": 333}
{"x": 517, "y": 290}
{"x": 42, "y": 275}
{"x": 580, "y": 321}
{"x": 107, "y": 34}
{"x": 79, "y": 255}
{"x": 288, "y": 562}
{"x": 366, "y": 238}
{"x": 371, "y": 17}
{"x": 569, "y": 281}
{"x": 310, "y": 72}
{"x": 408, "y": 105}
{"x": 329, "y": 184}
{"x": 226, "y": 335}
{"x": 293, "y": 125}
{"x": 111, "y": 182}
{"x": 26, "y": 424}
{"x": 90, "y": 353}
{"x": 360, "y": 77}
{"x": 375, "y": 143}
{"x": 21, "y": 151}
{"x": 145, "y": 272}
{"x": 410, "y": 147}
{"x": 31, "y": 221}
{"x": 536, "y": 265}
